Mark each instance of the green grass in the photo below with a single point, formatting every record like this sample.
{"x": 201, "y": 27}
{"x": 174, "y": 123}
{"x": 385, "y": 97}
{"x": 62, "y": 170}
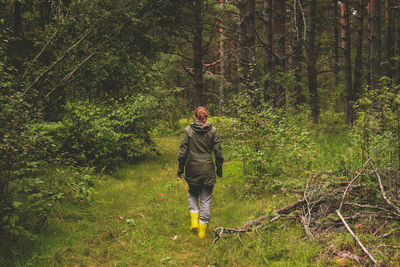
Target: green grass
{"x": 140, "y": 217}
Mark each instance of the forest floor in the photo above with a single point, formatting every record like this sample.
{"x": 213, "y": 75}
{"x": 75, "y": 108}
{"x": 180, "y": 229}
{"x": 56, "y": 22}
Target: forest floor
{"x": 140, "y": 217}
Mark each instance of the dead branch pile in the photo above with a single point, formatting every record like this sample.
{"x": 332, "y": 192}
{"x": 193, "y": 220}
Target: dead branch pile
{"x": 366, "y": 205}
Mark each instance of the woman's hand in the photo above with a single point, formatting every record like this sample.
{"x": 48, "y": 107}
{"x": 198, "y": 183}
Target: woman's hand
{"x": 180, "y": 173}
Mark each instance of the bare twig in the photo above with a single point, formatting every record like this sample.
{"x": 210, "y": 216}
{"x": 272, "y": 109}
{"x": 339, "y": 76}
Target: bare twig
{"x": 351, "y": 182}
{"x": 285, "y": 210}
{"x": 355, "y": 237}
{"x": 380, "y": 228}
{"x": 382, "y": 189}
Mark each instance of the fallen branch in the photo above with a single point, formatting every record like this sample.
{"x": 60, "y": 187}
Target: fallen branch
{"x": 285, "y": 210}
{"x": 247, "y": 227}
{"x": 355, "y": 237}
{"x": 352, "y": 181}
{"x": 382, "y": 189}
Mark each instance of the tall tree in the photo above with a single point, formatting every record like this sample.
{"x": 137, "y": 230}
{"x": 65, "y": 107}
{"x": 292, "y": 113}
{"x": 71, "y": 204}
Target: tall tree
{"x": 348, "y": 92}
{"x": 311, "y": 60}
{"x": 375, "y": 44}
{"x": 267, "y": 46}
{"x": 335, "y": 43}
{"x": 247, "y": 43}
{"x": 222, "y": 63}
{"x": 198, "y": 52}
{"x": 280, "y": 33}
{"x": 359, "y": 45}
{"x": 267, "y": 36}
{"x": 389, "y": 37}
{"x": 247, "y": 39}
{"x": 297, "y": 57}
{"x": 397, "y": 37}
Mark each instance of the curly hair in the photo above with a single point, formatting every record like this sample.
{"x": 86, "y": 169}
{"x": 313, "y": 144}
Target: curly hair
{"x": 201, "y": 114}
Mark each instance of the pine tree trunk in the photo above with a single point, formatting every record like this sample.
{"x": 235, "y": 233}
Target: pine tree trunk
{"x": 389, "y": 38}
{"x": 348, "y": 92}
{"x": 311, "y": 61}
{"x": 397, "y": 33}
{"x": 221, "y": 65}
{"x": 359, "y": 45}
{"x": 267, "y": 46}
{"x": 375, "y": 47}
{"x": 247, "y": 41}
{"x": 280, "y": 32}
{"x": 335, "y": 45}
{"x": 298, "y": 53}
{"x": 267, "y": 36}
{"x": 198, "y": 52}
{"x": 279, "y": 14}
{"x": 17, "y": 19}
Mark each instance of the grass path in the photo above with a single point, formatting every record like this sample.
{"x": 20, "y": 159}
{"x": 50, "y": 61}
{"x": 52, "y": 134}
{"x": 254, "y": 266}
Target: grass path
{"x": 140, "y": 218}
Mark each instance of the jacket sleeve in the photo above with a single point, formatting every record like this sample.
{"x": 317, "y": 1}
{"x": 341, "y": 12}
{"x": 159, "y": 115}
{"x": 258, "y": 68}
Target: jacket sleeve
{"x": 217, "y": 148}
{"x": 183, "y": 150}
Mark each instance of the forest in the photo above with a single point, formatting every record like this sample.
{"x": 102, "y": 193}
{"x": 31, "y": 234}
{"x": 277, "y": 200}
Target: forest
{"x": 95, "y": 95}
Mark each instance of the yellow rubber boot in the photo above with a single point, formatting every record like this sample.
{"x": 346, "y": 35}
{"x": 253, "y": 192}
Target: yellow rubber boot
{"x": 202, "y": 230}
{"x": 194, "y": 221}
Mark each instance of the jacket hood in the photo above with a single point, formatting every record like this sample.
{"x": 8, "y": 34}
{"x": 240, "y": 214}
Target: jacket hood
{"x": 200, "y": 129}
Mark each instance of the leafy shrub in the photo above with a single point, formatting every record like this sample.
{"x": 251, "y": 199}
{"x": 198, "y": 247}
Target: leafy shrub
{"x": 105, "y": 135}
{"x": 377, "y": 127}
{"x": 25, "y": 200}
{"x": 271, "y": 143}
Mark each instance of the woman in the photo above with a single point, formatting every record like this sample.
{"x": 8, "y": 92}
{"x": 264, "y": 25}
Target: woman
{"x": 199, "y": 140}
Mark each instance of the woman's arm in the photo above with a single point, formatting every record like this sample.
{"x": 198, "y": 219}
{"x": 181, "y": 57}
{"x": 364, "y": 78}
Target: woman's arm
{"x": 183, "y": 153}
{"x": 217, "y": 148}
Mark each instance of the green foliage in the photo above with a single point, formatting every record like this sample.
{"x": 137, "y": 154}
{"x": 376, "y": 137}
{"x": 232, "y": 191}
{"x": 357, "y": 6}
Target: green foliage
{"x": 271, "y": 143}
{"x": 377, "y": 127}
{"x": 104, "y": 135}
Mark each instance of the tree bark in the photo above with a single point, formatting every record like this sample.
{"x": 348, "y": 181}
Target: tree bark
{"x": 247, "y": 41}
{"x": 280, "y": 33}
{"x": 17, "y": 19}
{"x": 198, "y": 52}
{"x": 397, "y": 33}
{"x": 348, "y": 92}
{"x": 267, "y": 47}
{"x": 297, "y": 58}
{"x": 359, "y": 45}
{"x": 267, "y": 36}
{"x": 221, "y": 65}
{"x": 375, "y": 47}
{"x": 311, "y": 61}
{"x": 389, "y": 38}
{"x": 335, "y": 17}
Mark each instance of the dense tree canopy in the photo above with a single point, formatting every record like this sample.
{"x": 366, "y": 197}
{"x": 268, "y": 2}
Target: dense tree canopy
{"x": 86, "y": 85}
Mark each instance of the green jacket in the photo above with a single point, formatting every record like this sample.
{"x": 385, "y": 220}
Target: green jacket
{"x": 198, "y": 143}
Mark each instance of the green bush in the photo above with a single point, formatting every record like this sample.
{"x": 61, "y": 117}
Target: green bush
{"x": 377, "y": 127}
{"x": 107, "y": 134}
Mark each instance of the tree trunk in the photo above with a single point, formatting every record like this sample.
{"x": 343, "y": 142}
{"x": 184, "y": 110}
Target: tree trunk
{"x": 279, "y": 14}
{"x": 358, "y": 60}
{"x": 389, "y": 38}
{"x": 267, "y": 46}
{"x": 336, "y": 41}
{"x": 198, "y": 52}
{"x": 375, "y": 47}
{"x": 311, "y": 61}
{"x": 247, "y": 41}
{"x": 348, "y": 92}
{"x": 17, "y": 19}
{"x": 297, "y": 58}
{"x": 267, "y": 36}
{"x": 397, "y": 51}
{"x": 221, "y": 65}
{"x": 280, "y": 32}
